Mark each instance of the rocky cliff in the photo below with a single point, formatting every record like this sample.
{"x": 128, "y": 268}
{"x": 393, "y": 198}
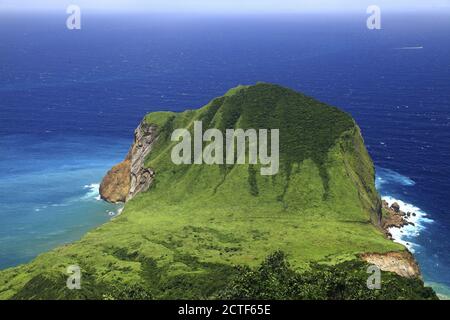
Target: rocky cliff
{"x": 401, "y": 263}
{"x": 130, "y": 177}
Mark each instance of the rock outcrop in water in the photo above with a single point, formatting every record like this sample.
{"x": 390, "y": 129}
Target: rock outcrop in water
{"x": 130, "y": 177}
{"x": 393, "y": 217}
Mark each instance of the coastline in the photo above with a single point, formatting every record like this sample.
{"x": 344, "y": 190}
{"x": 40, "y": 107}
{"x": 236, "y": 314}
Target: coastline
{"x": 403, "y": 221}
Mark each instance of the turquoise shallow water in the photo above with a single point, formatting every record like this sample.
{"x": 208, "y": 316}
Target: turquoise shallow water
{"x": 49, "y": 192}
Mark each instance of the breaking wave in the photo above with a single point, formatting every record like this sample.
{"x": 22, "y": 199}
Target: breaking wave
{"x": 388, "y": 180}
{"x": 93, "y": 191}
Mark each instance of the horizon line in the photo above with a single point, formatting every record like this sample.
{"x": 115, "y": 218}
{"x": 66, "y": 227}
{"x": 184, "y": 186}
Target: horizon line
{"x": 443, "y": 10}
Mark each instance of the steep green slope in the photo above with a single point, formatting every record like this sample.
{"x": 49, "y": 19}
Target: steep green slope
{"x": 181, "y": 238}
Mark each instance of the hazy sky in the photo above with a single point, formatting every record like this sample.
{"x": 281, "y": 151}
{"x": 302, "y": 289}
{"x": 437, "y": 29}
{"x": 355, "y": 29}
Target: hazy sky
{"x": 226, "y": 6}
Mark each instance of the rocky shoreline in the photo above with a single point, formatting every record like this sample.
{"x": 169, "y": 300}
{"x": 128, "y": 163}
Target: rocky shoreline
{"x": 396, "y": 223}
{"x": 402, "y": 263}
{"x": 393, "y": 217}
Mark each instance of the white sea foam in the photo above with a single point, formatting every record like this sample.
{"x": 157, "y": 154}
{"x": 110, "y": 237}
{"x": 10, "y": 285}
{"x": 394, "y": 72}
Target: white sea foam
{"x": 386, "y": 176}
{"x": 115, "y": 213}
{"x": 405, "y": 234}
{"x": 59, "y": 204}
{"x": 93, "y": 191}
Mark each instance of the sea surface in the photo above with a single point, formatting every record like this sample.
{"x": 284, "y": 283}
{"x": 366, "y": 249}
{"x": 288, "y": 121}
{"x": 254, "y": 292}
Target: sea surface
{"x": 70, "y": 100}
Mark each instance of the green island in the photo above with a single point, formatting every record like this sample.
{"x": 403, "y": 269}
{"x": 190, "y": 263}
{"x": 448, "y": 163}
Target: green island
{"x": 225, "y": 231}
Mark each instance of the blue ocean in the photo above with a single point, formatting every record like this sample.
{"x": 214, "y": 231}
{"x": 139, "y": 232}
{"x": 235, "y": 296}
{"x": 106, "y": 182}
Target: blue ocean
{"x": 70, "y": 100}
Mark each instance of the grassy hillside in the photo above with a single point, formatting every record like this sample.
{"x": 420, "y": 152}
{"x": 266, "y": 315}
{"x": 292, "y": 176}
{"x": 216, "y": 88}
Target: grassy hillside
{"x": 183, "y": 237}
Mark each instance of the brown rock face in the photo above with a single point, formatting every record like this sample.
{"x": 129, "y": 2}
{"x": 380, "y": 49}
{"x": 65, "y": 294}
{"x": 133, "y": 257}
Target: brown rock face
{"x": 130, "y": 177}
{"x": 395, "y": 206}
{"x": 116, "y": 184}
{"x": 394, "y": 217}
{"x": 394, "y": 220}
{"x": 141, "y": 177}
{"x": 401, "y": 263}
